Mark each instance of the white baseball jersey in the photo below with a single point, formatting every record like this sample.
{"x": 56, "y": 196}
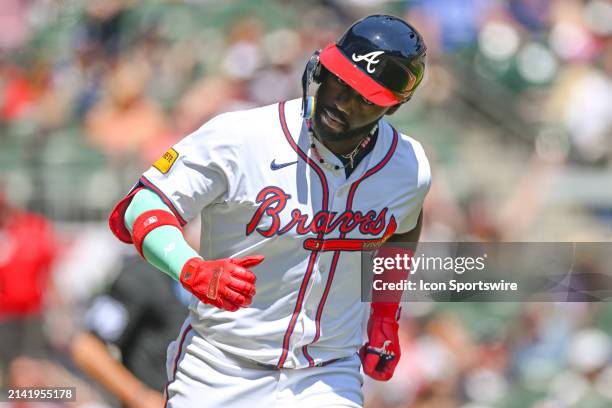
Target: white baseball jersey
{"x": 252, "y": 176}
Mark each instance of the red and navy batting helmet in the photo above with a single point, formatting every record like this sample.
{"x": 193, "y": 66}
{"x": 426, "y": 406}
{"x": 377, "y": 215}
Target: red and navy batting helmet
{"x": 382, "y": 57}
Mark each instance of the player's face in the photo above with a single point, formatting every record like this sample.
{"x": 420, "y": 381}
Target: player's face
{"x": 340, "y": 112}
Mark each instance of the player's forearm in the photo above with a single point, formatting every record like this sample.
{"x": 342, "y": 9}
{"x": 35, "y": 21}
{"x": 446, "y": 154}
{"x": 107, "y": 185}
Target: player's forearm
{"x": 226, "y": 283}
{"x": 164, "y": 247}
{"x": 387, "y": 301}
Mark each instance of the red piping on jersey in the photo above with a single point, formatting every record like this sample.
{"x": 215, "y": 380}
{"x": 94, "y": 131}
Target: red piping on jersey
{"x": 165, "y": 199}
{"x": 313, "y": 256}
{"x": 176, "y": 359}
{"x": 350, "y": 244}
{"x": 343, "y": 241}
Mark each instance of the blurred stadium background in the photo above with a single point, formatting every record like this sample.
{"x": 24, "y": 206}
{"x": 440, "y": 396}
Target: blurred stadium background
{"x": 515, "y": 113}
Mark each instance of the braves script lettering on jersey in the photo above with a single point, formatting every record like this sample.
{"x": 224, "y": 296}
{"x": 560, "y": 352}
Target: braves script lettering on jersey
{"x": 309, "y": 222}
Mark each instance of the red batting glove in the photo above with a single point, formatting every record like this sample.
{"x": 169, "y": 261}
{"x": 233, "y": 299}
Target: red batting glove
{"x": 381, "y": 353}
{"x": 225, "y": 283}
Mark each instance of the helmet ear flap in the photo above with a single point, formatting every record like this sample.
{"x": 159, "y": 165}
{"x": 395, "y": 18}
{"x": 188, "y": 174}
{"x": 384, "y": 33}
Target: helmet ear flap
{"x": 311, "y": 73}
{"x": 316, "y": 73}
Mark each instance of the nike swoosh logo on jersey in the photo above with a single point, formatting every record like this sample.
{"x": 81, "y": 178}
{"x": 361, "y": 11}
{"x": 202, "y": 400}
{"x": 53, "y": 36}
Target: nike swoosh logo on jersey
{"x": 275, "y": 166}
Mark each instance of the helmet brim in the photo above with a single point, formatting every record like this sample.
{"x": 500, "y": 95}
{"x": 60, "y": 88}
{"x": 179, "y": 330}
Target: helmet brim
{"x": 337, "y": 63}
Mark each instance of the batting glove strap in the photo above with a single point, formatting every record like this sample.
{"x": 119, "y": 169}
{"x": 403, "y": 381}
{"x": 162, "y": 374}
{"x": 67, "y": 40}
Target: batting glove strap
{"x": 381, "y": 353}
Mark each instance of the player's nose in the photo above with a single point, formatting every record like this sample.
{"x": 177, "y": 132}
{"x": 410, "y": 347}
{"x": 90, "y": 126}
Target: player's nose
{"x": 346, "y": 100}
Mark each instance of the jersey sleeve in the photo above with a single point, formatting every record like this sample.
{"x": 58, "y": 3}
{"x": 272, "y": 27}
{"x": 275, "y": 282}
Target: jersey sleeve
{"x": 414, "y": 199}
{"x": 197, "y": 171}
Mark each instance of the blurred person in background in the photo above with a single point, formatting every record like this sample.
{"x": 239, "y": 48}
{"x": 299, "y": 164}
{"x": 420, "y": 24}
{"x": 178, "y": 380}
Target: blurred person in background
{"x": 28, "y": 249}
{"x": 126, "y": 330}
{"x": 137, "y": 323}
{"x": 125, "y": 122}
{"x": 581, "y": 104}
{"x": 110, "y": 329}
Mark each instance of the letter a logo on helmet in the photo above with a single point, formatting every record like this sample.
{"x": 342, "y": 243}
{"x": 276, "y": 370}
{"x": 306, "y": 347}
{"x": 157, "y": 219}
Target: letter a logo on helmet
{"x": 370, "y": 58}
{"x": 381, "y": 57}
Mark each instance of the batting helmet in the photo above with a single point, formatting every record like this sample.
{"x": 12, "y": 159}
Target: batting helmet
{"x": 382, "y": 57}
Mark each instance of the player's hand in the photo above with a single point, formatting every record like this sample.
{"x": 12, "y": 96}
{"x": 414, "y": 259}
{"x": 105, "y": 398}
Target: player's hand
{"x": 225, "y": 283}
{"x": 381, "y": 353}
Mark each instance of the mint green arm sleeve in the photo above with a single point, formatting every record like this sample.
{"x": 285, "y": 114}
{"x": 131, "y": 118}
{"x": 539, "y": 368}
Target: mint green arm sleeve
{"x": 164, "y": 247}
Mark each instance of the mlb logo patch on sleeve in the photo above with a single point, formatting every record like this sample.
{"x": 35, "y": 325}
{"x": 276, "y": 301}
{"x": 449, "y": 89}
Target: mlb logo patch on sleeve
{"x": 165, "y": 162}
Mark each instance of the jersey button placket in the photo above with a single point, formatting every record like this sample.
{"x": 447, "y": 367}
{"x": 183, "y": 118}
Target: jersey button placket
{"x": 310, "y": 302}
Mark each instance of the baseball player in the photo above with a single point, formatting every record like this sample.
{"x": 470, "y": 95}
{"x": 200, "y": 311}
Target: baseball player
{"x": 289, "y": 195}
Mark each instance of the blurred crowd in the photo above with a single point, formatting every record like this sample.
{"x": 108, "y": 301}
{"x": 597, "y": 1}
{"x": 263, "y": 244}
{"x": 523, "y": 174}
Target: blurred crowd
{"x": 515, "y": 114}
